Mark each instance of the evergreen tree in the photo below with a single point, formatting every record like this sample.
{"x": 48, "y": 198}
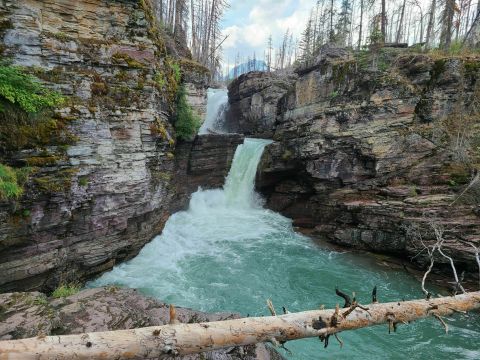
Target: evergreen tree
{"x": 343, "y": 23}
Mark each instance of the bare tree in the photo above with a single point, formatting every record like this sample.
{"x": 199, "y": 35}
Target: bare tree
{"x": 448, "y": 14}
{"x": 383, "y": 27}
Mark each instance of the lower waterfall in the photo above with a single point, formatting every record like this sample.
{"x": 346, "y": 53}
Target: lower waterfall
{"x": 228, "y": 253}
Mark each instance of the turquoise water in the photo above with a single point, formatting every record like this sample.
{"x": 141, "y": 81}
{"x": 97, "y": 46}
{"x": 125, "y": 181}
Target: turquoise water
{"x": 228, "y": 253}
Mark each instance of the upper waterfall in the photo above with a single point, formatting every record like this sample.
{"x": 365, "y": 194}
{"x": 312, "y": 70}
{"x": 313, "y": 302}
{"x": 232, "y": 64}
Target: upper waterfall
{"x": 217, "y": 103}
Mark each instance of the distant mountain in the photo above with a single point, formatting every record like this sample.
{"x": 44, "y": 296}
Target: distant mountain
{"x": 252, "y": 65}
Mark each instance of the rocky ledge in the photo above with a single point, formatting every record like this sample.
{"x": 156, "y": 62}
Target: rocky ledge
{"x": 372, "y": 152}
{"x": 32, "y": 314}
{"x": 253, "y": 102}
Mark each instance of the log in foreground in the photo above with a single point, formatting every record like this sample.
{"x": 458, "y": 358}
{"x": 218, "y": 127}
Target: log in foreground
{"x": 182, "y": 339}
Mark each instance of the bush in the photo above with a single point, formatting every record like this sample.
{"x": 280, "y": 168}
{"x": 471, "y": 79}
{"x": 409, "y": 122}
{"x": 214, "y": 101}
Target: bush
{"x": 66, "y": 290}
{"x": 186, "y": 123}
{"x": 177, "y": 74}
{"x": 11, "y": 182}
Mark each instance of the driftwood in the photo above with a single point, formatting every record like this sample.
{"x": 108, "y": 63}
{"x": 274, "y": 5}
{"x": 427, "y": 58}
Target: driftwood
{"x": 182, "y": 339}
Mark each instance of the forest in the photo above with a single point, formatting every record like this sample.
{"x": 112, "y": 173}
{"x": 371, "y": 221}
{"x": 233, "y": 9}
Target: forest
{"x": 449, "y": 25}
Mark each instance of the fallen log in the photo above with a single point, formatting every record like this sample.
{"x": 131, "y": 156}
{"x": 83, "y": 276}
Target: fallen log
{"x": 182, "y": 339}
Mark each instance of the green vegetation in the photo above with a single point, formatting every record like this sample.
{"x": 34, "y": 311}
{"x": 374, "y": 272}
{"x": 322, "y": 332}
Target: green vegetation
{"x": 12, "y": 181}
{"x": 175, "y": 68}
{"x": 83, "y": 181}
{"x": 121, "y": 58}
{"x": 413, "y": 192}
{"x": 333, "y": 94}
{"x": 160, "y": 80}
{"x": 188, "y": 65}
{"x": 57, "y": 182}
{"x": 26, "y": 91}
{"x": 66, "y": 290}
{"x": 40, "y": 301}
{"x": 26, "y": 112}
{"x": 186, "y": 123}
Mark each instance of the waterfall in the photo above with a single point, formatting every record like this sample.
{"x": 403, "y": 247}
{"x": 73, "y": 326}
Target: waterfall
{"x": 212, "y": 217}
{"x": 217, "y": 102}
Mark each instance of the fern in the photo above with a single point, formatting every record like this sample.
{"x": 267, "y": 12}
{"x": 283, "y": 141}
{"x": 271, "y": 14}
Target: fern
{"x": 25, "y": 91}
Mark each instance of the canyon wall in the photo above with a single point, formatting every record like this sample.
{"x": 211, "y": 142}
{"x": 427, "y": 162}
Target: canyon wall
{"x": 100, "y": 199}
{"x": 97, "y": 196}
{"x": 369, "y": 153}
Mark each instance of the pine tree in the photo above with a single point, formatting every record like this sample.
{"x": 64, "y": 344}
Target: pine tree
{"x": 343, "y": 23}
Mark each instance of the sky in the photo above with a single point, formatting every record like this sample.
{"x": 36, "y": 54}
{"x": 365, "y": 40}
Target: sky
{"x": 249, "y": 23}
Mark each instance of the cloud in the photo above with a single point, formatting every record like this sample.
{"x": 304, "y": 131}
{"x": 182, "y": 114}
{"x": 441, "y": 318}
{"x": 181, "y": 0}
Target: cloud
{"x": 256, "y": 35}
{"x": 234, "y": 35}
{"x": 250, "y": 23}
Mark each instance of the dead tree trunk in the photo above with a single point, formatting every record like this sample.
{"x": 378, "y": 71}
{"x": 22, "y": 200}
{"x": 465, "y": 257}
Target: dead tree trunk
{"x": 472, "y": 38}
{"x": 182, "y": 339}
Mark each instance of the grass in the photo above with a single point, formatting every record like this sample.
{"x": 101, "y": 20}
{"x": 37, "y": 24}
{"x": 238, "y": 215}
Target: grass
{"x": 83, "y": 181}
{"x": 66, "y": 290}
{"x": 12, "y": 181}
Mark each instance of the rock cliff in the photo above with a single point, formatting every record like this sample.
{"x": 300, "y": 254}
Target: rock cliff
{"x": 253, "y": 102}
{"x": 102, "y": 198}
{"x": 369, "y": 152}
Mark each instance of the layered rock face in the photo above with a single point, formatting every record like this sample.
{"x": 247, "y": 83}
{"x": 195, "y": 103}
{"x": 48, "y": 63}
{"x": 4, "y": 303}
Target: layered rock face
{"x": 253, "y": 102}
{"x": 196, "y": 80}
{"x": 32, "y": 314}
{"x": 364, "y": 156}
{"x": 99, "y": 200}
{"x": 204, "y": 162}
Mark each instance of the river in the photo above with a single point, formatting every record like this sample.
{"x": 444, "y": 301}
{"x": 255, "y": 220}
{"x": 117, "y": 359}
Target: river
{"x": 228, "y": 253}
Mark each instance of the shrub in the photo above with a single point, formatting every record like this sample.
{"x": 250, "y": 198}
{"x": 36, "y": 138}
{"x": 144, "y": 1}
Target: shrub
{"x": 186, "y": 123}
{"x": 66, "y": 290}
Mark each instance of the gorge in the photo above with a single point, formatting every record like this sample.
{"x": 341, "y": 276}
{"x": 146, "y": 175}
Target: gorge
{"x": 369, "y": 150}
